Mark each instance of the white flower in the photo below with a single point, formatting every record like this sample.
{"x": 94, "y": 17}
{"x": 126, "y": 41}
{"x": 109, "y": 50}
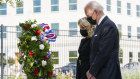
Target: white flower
{"x": 41, "y": 46}
{"x": 45, "y": 38}
{"x": 33, "y": 38}
{"x": 33, "y": 25}
{"x": 24, "y": 56}
{"x": 44, "y": 63}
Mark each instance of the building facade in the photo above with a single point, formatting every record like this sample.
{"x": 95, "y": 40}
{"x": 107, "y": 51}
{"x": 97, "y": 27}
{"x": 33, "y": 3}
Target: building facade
{"x": 62, "y": 15}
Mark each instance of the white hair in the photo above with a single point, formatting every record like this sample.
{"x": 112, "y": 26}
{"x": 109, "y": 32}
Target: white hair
{"x": 94, "y": 5}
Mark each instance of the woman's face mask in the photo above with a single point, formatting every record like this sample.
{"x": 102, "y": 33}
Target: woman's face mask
{"x": 84, "y": 33}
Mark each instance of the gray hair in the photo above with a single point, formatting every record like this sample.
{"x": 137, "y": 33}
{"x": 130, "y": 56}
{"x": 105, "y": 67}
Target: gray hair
{"x": 90, "y": 28}
{"x": 94, "y": 5}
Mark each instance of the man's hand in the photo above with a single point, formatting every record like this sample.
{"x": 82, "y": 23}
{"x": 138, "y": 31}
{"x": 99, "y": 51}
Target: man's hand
{"x": 92, "y": 77}
{"x": 89, "y": 76}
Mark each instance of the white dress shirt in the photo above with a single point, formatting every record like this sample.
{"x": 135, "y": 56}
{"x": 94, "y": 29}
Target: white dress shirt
{"x": 101, "y": 19}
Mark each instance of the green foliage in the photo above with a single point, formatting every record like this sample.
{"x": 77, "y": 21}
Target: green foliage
{"x": 120, "y": 34}
{"x": 4, "y": 61}
{"x": 20, "y": 77}
{"x": 10, "y": 2}
{"x": 120, "y": 49}
{"x": 130, "y": 74}
{"x": 27, "y": 45}
{"x": 11, "y": 61}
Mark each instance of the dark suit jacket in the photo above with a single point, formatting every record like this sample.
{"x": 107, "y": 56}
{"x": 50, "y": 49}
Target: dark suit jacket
{"x": 104, "y": 54}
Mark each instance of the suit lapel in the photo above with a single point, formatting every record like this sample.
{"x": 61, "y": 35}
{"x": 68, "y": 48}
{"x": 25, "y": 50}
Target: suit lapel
{"x": 99, "y": 26}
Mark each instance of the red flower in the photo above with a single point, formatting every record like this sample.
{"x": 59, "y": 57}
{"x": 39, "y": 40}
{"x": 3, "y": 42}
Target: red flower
{"x": 36, "y": 72}
{"x": 38, "y": 32}
{"x": 46, "y": 58}
{"x": 50, "y": 73}
{"x": 31, "y": 53}
{"x": 27, "y": 27}
{"x": 48, "y": 27}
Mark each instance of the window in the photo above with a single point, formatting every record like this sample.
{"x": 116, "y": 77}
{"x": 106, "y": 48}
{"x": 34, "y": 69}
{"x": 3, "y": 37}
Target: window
{"x": 72, "y": 28}
{"x": 121, "y": 55}
{"x": 55, "y": 28}
{"x": 139, "y": 57}
{"x": 72, "y": 4}
{"x": 54, "y": 5}
{"x": 3, "y": 9}
{"x": 4, "y": 32}
{"x": 129, "y": 31}
{"x": 19, "y": 8}
{"x": 55, "y": 58}
{"x": 138, "y": 32}
{"x": 37, "y": 5}
{"x": 128, "y": 9}
{"x": 108, "y": 6}
{"x": 73, "y": 56}
{"x": 138, "y": 10}
{"x": 18, "y": 29}
{"x": 119, "y": 27}
{"x": 130, "y": 57}
{"x": 118, "y": 6}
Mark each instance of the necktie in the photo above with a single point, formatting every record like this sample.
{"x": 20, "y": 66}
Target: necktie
{"x": 96, "y": 29}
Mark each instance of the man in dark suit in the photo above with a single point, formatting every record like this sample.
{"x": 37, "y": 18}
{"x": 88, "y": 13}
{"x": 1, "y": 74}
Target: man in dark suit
{"x": 104, "y": 53}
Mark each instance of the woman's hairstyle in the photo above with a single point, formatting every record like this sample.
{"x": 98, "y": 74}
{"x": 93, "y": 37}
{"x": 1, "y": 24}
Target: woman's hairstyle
{"x": 83, "y": 23}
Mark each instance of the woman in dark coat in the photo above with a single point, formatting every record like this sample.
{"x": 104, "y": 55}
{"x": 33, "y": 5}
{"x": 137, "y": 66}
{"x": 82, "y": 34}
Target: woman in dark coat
{"x": 86, "y": 30}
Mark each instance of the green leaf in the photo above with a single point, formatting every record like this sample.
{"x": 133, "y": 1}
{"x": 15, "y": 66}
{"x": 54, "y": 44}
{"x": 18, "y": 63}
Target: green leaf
{"x": 28, "y": 60}
{"x": 32, "y": 64}
{"x": 7, "y": 1}
{"x": 40, "y": 73}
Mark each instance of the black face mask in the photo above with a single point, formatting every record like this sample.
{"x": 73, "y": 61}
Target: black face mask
{"x": 84, "y": 33}
{"x": 91, "y": 21}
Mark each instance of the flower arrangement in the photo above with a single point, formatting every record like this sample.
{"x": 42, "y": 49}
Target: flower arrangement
{"x": 133, "y": 73}
{"x": 34, "y": 47}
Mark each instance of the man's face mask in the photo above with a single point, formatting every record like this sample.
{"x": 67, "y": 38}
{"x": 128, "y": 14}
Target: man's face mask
{"x": 91, "y": 21}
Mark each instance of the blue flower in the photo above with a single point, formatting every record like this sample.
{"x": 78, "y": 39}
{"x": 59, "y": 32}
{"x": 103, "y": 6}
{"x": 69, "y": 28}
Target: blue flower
{"x": 22, "y": 54}
{"x": 55, "y": 75}
{"x": 48, "y": 54}
{"x": 36, "y": 61}
{"x": 28, "y": 31}
{"x": 42, "y": 37}
{"x": 51, "y": 60}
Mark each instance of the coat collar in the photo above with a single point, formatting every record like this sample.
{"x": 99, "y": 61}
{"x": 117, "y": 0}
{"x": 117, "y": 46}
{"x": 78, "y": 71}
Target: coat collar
{"x": 99, "y": 26}
{"x": 101, "y": 19}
